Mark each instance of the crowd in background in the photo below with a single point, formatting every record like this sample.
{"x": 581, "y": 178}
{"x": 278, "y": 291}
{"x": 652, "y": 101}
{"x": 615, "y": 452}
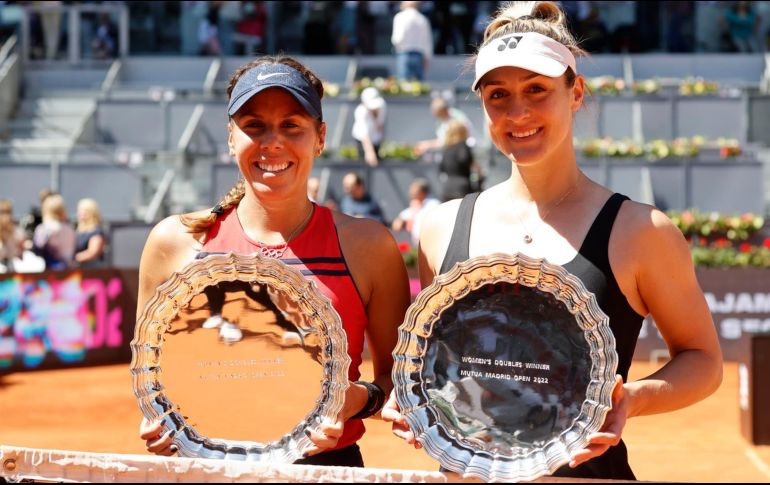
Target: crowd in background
{"x": 367, "y": 27}
{"x": 46, "y": 239}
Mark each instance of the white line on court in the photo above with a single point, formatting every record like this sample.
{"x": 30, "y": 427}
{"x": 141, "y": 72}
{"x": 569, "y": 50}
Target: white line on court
{"x": 757, "y": 461}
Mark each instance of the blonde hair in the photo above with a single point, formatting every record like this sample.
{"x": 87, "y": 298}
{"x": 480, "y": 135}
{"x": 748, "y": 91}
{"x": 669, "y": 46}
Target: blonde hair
{"x": 53, "y": 208}
{"x": 456, "y": 132}
{"x": 7, "y": 226}
{"x": 93, "y": 216}
{"x": 545, "y": 18}
{"x": 197, "y": 224}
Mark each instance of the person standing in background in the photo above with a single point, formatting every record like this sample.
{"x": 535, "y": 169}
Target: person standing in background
{"x": 457, "y": 164}
{"x": 11, "y": 237}
{"x": 444, "y": 114}
{"x": 50, "y": 18}
{"x": 412, "y": 40}
{"x": 90, "y": 238}
{"x": 369, "y": 124}
{"x": 54, "y": 238}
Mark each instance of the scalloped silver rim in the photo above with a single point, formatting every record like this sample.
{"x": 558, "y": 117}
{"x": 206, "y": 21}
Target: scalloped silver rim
{"x": 177, "y": 292}
{"x": 461, "y": 455}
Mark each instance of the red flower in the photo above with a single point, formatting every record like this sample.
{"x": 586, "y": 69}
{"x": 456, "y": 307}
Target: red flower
{"x": 722, "y": 243}
{"x": 745, "y": 247}
{"x": 766, "y": 243}
{"x": 404, "y": 247}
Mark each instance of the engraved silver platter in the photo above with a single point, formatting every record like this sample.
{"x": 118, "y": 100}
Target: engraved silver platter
{"x": 240, "y": 356}
{"x": 504, "y": 366}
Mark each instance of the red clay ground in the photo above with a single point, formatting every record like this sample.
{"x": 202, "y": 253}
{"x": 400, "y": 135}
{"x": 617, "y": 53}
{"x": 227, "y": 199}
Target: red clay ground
{"x": 94, "y": 409}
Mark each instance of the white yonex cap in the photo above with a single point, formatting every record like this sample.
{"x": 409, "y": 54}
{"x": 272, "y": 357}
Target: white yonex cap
{"x": 531, "y": 51}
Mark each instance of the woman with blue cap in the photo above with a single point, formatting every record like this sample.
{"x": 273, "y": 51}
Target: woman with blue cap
{"x": 275, "y": 131}
{"x": 628, "y": 254}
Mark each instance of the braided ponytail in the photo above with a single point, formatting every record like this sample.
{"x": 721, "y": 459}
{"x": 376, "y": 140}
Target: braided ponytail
{"x": 231, "y": 199}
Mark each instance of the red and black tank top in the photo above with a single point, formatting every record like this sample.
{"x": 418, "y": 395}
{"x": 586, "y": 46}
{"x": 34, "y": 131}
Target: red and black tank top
{"x": 317, "y": 254}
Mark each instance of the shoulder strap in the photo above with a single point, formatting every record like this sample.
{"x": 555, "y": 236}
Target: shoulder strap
{"x": 461, "y": 234}
{"x": 596, "y": 243}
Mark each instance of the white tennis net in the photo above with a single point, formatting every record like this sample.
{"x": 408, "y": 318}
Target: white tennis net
{"x": 78, "y": 466}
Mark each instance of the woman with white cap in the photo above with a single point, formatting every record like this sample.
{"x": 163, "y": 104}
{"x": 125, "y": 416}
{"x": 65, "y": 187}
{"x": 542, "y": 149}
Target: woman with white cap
{"x": 369, "y": 124}
{"x": 276, "y": 129}
{"x": 629, "y": 255}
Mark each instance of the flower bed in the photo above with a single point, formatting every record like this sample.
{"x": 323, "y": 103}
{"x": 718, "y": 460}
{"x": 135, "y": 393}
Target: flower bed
{"x": 717, "y": 241}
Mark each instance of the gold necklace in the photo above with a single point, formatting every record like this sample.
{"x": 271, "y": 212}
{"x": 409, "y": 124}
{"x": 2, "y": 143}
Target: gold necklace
{"x": 527, "y": 233}
{"x": 276, "y": 252}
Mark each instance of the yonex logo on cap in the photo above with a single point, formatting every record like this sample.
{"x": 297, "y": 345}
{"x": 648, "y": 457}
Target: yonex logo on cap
{"x": 527, "y": 50}
{"x": 509, "y": 42}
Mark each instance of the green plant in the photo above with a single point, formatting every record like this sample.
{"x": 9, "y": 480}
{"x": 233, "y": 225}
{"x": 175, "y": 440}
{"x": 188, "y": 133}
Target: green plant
{"x": 348, "y": 152}
{"x": 399, "y": 151}
{"x": 717, "y": 256}
{"x": 697, "y": 87}
{"x": 710, "y": 226}
{"x": 390, "y": 87}
{"x": 409, "y": 254}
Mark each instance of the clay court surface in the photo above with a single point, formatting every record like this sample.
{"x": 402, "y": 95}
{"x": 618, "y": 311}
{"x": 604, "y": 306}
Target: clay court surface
{"x": 94, "y": 409}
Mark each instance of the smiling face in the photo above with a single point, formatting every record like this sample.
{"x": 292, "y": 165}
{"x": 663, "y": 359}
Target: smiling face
{"x": 530, "y": 115}
{"x": 274, "y": 141}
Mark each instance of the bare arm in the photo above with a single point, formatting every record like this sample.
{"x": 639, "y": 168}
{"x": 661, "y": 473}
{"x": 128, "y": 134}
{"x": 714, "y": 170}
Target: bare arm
{"x": 668, "y": 287}
{"x": 654, "y": 268}
{"x": 380, "y": 276}
{"x": 168, "y": 248}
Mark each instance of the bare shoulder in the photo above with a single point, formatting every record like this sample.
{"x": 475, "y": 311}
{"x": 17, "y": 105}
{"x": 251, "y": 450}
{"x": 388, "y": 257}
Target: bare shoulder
{"x": 359, "y": 230}
{"x": 169, "y": 234}
{"x": 169, "y": 247}
{"x": 645, "y": 239}
{"x": 436, "y": 232}
{"x": 370, "y": 251}
{"x": 643, "y": 224}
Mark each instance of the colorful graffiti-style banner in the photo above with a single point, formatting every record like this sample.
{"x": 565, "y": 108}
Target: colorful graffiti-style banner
{"x": 61, "y": 319}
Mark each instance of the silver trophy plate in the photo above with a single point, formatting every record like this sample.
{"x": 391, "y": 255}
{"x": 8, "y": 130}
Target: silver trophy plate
{"x": 241, "y": 356}
{"x": 504, "y": 366}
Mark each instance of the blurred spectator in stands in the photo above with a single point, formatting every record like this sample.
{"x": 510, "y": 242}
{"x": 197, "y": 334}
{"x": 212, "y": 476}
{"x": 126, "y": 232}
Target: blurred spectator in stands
{"x": 105, "y": 43}
{"x": 483, "y": 14}
{"x": 410, "y": 219}
{"x": 35, "y": 217}
{"x": 454, "y": 22}
{"x": 366, "y": 31}
{"x": 357, "y": 202}
{"x": 741, "y": 23}
{"x": 369, "y": 124}
{"x": 680, "y": 32}
{"x": 208, "y": 32}
{"x": 457, "y": 166}
{"x": 91, "y": 240}
{"x": 250, "y": 30}
{"x": 345, "y": 27}
{"x": 50, "y": 20}
{"x": 412, "y": 40}
{"x": 313, "y": 193}
{"x": 444, "y": 114}
{"x": 318, "y": 38}
{"x": 54, "y": 238}
{"x": 590, "y": 28}
{"x": 230, "y": 14}
{"x": 11, "y": 238}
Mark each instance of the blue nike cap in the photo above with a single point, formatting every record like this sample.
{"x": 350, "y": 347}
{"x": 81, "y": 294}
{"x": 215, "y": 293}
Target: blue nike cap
{"x": 266, "y": 76}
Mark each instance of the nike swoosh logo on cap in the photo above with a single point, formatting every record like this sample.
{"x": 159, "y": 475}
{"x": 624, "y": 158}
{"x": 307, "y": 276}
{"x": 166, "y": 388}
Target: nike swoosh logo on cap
{"x": 262, "y": 77}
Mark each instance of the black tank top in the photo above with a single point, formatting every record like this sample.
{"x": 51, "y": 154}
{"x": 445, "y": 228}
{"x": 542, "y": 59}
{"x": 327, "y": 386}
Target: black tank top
{"x": 592, "y": 266}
